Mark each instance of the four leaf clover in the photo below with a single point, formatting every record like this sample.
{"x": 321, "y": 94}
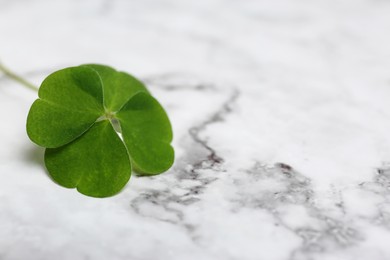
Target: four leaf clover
{"x": 97, "y": 125}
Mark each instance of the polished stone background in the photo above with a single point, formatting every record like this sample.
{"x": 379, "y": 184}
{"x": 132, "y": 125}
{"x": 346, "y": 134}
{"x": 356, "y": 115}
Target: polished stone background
{"x": 280, "y": 112}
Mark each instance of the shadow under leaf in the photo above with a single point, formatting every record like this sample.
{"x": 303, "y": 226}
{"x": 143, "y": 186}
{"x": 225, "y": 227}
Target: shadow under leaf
{"x": 34, "y": 155}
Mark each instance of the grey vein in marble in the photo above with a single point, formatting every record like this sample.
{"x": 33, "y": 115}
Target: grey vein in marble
{"x": 280, "y": 118}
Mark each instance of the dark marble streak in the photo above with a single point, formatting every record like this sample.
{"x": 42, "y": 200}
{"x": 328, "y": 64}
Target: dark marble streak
{"x": 195, "y": 172}
{"x": 295, "y": 189}
{"x": 380, "y": 185}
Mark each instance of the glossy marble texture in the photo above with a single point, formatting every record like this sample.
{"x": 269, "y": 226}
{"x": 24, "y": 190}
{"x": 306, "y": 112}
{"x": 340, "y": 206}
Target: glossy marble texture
{"x": 280, "y": 112}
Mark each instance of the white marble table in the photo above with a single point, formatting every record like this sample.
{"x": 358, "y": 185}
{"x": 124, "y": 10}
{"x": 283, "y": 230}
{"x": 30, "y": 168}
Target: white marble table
{"x": 281, "y": 118}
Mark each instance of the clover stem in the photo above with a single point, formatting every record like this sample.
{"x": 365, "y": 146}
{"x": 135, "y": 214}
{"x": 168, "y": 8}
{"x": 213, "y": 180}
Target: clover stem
{"x": 17, "y": 78}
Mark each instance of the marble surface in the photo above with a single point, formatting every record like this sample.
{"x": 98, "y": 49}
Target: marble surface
{"x": 280, "y": 112}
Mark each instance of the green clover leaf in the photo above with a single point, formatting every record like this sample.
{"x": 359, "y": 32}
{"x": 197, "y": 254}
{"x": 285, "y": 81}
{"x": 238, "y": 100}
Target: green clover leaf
{"x": 97, "y": 124}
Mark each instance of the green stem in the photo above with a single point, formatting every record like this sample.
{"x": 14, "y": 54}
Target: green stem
{"x": 17, "y": 78}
